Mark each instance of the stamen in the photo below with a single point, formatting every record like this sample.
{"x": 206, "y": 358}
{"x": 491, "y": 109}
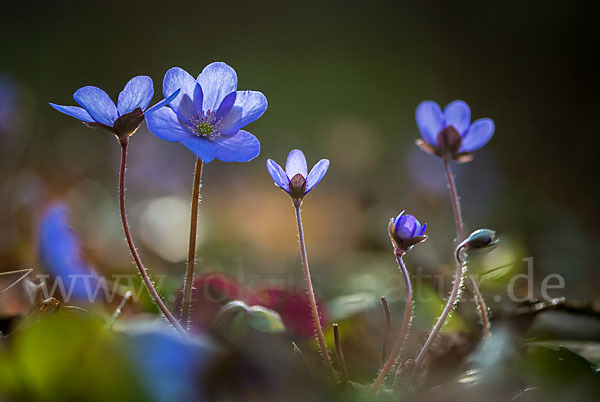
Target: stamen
{"x": 206, "y": 125}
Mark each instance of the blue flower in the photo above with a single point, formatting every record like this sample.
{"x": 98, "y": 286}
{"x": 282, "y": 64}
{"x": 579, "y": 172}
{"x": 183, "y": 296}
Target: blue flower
{"x": 61, "y": 256}
{"x": 450, "y": 134}
{"x": 209, "y": 114}
{"x": 99, "y": 111}
{"x": 405, "y": 231}
{"x": 170, "y": 365}
{"x": 296, "y": 180}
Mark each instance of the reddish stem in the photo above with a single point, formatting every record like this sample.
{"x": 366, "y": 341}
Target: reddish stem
{"x": 138, "y": 261}
{"x": 311, "y": 295}
{"x": 189, "y": 273}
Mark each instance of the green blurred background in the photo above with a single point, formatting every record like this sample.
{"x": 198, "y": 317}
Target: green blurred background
{"x": 343, "y": 79}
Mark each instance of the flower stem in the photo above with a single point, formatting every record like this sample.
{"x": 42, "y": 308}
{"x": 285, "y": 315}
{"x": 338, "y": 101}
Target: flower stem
{"x": 311, "y": 295}
{"x": 481, "y": 307}
{"x": 455, "y": 202}
{"x": 138, "y": 261}
{"x": 340, "y": 353}
{"x": 452, "y": 302}
{"x": 460, "y": 229}
{"x": 405, "y": 324}
{"x": 189, "y": 273}
{"x": 386, "y": 330}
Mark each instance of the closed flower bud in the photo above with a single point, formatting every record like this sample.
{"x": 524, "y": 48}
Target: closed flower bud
{"x": 405, "y": 231}
{"x": 481, "y": 238}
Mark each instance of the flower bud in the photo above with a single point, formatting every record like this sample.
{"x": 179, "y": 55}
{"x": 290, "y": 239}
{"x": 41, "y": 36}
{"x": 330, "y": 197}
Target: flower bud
{"x": 481, "y": 238}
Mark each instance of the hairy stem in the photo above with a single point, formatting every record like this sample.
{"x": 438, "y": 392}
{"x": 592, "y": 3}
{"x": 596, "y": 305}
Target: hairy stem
{"x": 138, "y": 261}
{"x": 189, "y": 272}
{"x": 405, "y": 325}
{"x": 311, "y": 295}
{"x": 460, "y": 229}
{"x": 481, "y": 307}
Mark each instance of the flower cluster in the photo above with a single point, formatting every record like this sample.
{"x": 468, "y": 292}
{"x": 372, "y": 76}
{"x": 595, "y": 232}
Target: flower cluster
{"x": 208, "y": 114}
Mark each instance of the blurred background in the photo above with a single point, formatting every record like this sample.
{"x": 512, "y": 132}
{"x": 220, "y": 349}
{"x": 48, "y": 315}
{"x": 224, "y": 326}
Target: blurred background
{"x": 343, "y": 79}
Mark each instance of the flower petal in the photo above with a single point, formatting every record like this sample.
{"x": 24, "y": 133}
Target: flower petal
{"x": 296, "y": 163}
{"x": 177, "y": 78}
{"x": 138, "y": 92}
{"x": 164, "y": 124}
{"x": 98, "y": 104}
{"x": 316, "y": 174}
{"x": 422, "y": 231}
{"x": 278, "y": 175}
{"x": 186, "y": 109}
{"x": 203, "y": 148}
{"x": 217, "y": 81}
{"x": 248, "y": 107}
{"x": 478, "y": 135}
{"x": 164, "y": 102}
{"x": 224, "y": 109}
{"x": 240, "y": 147}
{"x": 458, "y": 115}
{"x": 408, "y": 228}
{"x": 74, "y": 111}
{"x": 198, "y": 96}
{"x": 430, "y": 121}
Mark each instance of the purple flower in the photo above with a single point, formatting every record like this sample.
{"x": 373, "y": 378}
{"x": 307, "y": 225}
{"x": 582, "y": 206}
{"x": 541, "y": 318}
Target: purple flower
{"x": 450, "y": 134}
{"x": 406, "y": 231}
{"x": 209, "y": 114}
{"x": 99, "y": 111}
{"x": 61, "y": 256}
{"x": 296, "y": 180}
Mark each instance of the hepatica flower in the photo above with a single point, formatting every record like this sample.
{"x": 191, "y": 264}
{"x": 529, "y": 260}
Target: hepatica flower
{"x": 406, "y": 231}
{"x": 450, "y": 133}
{"x": 99, "y": 111}
{"x": 61, "y": 256}
{"x": 295, "y": 179}
{"x": 209, "y": 114}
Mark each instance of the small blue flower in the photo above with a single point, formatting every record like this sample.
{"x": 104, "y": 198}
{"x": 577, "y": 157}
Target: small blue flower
{"x": 61, "y": 256}
{"x": 450, "y": 134}
{"x": 296, "y": 180}
{"x": 406, "y": 231}
{"x": 209, "y": 114}
{"x": 99, "y": 111}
